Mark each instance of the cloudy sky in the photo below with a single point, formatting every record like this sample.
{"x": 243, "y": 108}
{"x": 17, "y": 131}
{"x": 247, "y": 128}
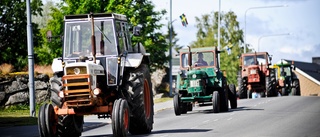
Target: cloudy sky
{"x": 288, "y": 32}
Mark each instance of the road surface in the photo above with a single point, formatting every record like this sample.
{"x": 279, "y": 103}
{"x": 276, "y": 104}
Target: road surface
{"x": 289, "y": 116}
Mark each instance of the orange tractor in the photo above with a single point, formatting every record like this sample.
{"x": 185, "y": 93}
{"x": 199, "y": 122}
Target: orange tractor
{"x": 255, "y": 78}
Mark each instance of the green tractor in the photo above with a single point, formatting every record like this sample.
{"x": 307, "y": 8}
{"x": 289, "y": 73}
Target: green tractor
{"x": 200, "y": 81}
{"x": 287, "y": 81}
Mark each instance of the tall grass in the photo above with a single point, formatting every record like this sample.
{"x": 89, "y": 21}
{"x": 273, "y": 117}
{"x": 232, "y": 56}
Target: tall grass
{"x": 43, "y": 69}
{"x": 6, "y": 68}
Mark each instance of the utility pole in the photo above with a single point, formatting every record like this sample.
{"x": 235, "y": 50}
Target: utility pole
{"x": 30, "y": 62}
{"x": 219, "y": 32}
{"x": 170, "y": 51}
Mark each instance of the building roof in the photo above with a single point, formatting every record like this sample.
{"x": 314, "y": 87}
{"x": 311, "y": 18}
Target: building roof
{"x": 309, "y": 69}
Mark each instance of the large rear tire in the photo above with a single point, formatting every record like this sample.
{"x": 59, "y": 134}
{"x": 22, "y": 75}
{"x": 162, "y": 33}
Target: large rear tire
{"x": 271, "y": 84}
{"x": 120, "y": 118}
{"x": 140, "y": 99}
{"x": 295, "y": 91}
{"x": 232, "y": 96}
{"x": 216, "y": 102}
{"x": 242, "y": 91}
{"x": 56, "y": 87}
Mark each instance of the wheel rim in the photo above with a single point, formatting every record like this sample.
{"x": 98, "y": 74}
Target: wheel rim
{"x": 126, "y": 119}
{"x": 147, "y": 100}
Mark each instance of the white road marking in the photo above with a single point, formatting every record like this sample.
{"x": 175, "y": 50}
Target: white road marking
{"x": 206, "y": 121}
{"x": 229, "y": 118}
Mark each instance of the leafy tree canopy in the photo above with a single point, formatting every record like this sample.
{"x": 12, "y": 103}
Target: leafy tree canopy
{"x": 230, "y": 37}
{"x": 13, "y": 31}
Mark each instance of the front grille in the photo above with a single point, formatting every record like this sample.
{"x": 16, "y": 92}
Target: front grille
{"x": 77, "y": 90}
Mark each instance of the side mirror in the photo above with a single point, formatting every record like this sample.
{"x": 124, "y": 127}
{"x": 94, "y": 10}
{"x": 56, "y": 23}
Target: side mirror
{"x": 136, "y": 31}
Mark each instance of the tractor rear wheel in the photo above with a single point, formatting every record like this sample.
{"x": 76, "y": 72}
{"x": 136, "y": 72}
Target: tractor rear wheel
{"x": 190, "y": 107}
{"x": 140, "y": 99}
{"x": 216, "y": 102}
{"x": 283, "y": 91}
{"x": 56, "y": 87}
{"x": 232, "y": 96}
{"x": 295, "y": 91}
{"x": 176, "y": 104}
{"x": 271, "y": 84}
{"x": 242, "y": 92}
{"x": 120, "y": 118}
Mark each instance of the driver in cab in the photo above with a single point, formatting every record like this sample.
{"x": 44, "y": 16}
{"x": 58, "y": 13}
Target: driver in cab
{"x": 200, "y": 61}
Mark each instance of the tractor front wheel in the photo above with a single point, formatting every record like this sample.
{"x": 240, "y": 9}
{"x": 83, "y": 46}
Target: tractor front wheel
{"x": 120, "y": 118}
{"x": 216, "y": 102}
{"x": 176, "y": 105}
{"x": 47, "y": 121}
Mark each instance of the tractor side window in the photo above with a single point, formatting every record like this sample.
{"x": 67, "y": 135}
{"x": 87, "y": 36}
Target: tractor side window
{"x": 121, "y": 38}
{"x": 261, "y": 59}
{"x": 127, "y": 39}
{"x": 112, "y": 71}
{"x": 184, "y": 60}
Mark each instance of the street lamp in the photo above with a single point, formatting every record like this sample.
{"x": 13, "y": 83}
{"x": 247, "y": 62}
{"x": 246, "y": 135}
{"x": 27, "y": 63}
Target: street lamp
{"x": 170, "y": 51}
{"x": 245, "y": 20}
{"x": 281, "y": 34}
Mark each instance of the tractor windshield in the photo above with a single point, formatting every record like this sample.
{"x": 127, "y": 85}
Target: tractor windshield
{"x": 199, "y": 59}
{"x": 77, "y": 38}
{"x": 254, "y": 60}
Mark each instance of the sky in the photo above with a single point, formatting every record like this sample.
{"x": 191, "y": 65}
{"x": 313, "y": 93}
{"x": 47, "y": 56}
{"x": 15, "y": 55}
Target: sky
{"x": 286, "y": 29}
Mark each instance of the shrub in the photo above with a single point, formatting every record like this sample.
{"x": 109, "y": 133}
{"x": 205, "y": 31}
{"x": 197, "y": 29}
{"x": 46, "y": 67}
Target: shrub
{"x": 6, "y": 68}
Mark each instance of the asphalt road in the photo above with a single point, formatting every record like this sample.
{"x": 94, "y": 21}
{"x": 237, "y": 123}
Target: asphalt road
{"x": 267, "y": 117}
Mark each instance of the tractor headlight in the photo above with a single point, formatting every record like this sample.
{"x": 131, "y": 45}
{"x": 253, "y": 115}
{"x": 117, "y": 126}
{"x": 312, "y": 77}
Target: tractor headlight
{"x": 194, "y": 76}
{"x": 96, "y": 91}
{"x": 76, "y": 71}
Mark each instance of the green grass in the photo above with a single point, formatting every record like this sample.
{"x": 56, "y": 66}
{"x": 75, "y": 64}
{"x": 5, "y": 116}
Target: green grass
{"x": 18, "y": 115}
{"x": 159, "y": 100}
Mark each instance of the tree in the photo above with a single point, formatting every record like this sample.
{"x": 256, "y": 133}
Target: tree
{"x": 230, "y": 37}
{"x": 138, "y": 12}
{"x": 13, "y": 31}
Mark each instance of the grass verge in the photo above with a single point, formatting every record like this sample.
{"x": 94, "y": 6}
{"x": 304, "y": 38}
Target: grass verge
{"x": 10, "y": 118}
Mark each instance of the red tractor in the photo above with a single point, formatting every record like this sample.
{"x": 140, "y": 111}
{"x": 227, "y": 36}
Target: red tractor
{"x": 256, "y": 79}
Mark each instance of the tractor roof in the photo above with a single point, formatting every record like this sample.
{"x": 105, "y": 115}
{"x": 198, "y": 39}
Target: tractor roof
{"x": 253, "y": 53}
{"x": 198, "y": 49}
{"x": 96, "y": 15}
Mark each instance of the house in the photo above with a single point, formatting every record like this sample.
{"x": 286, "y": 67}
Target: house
{"x": 309, "y": 76}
